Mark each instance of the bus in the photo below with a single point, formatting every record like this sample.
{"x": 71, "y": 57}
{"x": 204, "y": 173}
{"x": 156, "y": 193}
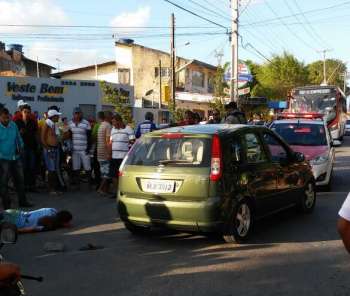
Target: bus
{"x": 323, "y": 102}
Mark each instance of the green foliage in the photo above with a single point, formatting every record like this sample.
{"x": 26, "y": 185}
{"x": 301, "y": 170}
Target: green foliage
{"x": 276, "y": 78}
{"x": 119, "y": 99}
{"x": 219, "y": 81}
{"x": 176, "y": 114}
{"x": 334, "y": 71}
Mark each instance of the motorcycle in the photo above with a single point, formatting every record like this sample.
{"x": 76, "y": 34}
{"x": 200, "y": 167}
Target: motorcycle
{"x": 9, "y": 235}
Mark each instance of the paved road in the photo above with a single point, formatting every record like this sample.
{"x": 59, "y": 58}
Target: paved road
{"x": 290, "y": 254}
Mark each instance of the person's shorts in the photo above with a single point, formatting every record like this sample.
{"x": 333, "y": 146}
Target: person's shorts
{"x": 80, "y": 158}
{"x": 115, "y": 165}
{"x": 52, "y": 159}
{"x": 105, "y": 169}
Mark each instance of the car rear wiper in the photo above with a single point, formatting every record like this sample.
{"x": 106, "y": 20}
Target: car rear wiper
{"x": 174, "y": 161}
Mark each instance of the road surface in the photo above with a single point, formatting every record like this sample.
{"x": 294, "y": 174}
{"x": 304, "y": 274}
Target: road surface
{"x": 289, "y": 255}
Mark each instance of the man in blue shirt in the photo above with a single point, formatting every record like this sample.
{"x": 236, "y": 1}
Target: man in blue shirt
{"x": 44, "y": 219}
{"x": 11, "y": 145}
{"x": 146, "y": 126}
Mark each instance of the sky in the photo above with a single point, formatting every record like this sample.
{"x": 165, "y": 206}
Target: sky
{"x": 84, "y": 32}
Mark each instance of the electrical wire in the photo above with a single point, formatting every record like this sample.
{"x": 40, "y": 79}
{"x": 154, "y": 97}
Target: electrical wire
{"x": 318, "y": 36}
{"x": 245, "y": 7}
{"x": 248, "y": 44}
{"x": 289, "y": 29}
{"x": 210, "y": 10}
{"x": 218, "y": 8}
{"x": 303, "y": 25}
{"x": 293, "y": 15}
{"x": 195, "y": 14}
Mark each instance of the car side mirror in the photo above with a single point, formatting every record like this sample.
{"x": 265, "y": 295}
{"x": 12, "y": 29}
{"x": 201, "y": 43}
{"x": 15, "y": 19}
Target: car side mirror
{"x": 336, "y": 143}
{"x": 299, "y": 157}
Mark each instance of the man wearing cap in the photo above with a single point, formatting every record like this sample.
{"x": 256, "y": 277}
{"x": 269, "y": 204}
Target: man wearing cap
{"x": 11, "y": 146}
{"x": 80, "y": 130}
{"x": 49, "y": 140}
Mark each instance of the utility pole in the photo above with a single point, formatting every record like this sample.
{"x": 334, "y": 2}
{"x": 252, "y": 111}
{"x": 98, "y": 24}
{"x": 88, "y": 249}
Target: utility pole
{"x": 324, "y": 51}
{"x": 37, "y": 67}
{"x": 234, "y": 53}
{"x": 160, "y": 84}
{"x": 172, "y": 49}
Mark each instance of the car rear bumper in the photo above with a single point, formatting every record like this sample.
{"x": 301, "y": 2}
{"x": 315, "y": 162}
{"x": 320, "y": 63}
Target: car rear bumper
{"x": 200, "y": 216}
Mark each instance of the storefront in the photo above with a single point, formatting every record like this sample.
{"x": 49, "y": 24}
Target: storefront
{"x": 41, "y": 93}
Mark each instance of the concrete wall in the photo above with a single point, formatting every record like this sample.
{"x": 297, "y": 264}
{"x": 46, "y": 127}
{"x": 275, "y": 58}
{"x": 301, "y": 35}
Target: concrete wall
{"x": 106, "y": 73}
{"x": 66, "y": 94}
{"x": 142, "y": 62}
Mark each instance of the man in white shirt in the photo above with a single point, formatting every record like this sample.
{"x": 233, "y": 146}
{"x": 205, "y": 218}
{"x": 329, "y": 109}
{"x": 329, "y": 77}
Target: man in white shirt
{"x": 122, "y": 137}
{"x": 81, "y": 133}
{"x": 344, "y": 223}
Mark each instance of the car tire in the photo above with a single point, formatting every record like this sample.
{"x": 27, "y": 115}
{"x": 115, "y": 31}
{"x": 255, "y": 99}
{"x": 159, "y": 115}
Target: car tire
{"x": 135, "y": 229}
{"x": 307, "y": 200}
{"x": 239, "y": 225}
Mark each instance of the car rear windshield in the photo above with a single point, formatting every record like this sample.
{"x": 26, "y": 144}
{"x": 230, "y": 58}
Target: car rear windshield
{"x": 300, "y": 134}
{"x": 172, "y": 152}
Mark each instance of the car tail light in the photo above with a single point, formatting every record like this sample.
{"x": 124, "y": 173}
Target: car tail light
{"x": 216, "y": 159}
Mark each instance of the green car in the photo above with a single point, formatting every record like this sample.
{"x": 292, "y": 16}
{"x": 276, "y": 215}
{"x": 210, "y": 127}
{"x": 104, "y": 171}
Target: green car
{"x": 207, "y": 178}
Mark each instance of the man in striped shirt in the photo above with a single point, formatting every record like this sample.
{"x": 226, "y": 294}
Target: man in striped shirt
{"x": 122, "y": 137}
{"x": 80, "y": 130}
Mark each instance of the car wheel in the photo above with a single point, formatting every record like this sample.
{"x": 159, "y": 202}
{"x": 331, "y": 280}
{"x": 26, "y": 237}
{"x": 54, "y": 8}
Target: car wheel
{"x": 308, "y": 198}
{"x": 240, "y": 223}
{"x": 135, "y": 229}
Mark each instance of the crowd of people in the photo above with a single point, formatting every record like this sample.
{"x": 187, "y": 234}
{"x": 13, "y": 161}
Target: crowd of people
{"x": 42, "y": 151}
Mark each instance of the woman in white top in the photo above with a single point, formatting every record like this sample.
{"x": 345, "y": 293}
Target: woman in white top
{"x": 122, "y": 137}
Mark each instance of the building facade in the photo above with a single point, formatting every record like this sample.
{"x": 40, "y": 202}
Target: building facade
{"x": 14, "y": 63}
{"x": 148, "y": 71}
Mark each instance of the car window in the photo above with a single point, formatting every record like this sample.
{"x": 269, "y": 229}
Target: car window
{"x": 277, "y": 150}
{"x": 186, "y": 151}
{"x": 301, "y": 134}
{"x": 254, "y": 150}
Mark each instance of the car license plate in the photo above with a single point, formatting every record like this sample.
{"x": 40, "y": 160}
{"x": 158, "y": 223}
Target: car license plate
{"x": 157, "y": 186}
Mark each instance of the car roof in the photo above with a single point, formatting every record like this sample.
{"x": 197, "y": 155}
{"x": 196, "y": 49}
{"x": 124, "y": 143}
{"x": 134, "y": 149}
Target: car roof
{"x": 205, "y": 129}
{"x": 300, "y": 121}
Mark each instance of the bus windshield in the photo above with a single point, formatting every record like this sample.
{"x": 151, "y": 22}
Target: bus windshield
{"x": 322, "y": 101}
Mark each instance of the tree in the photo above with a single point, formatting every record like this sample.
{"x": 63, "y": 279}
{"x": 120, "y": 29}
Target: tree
{"x": 220, "y": 85}
{"x": 119, "y": 98}
{"x": 334, "y": 72}
{"x": 278, "y": 76}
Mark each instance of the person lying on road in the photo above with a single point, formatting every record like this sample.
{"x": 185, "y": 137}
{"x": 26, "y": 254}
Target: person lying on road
{"x": 344, "y": 223}
{"x": 44, "y": 219}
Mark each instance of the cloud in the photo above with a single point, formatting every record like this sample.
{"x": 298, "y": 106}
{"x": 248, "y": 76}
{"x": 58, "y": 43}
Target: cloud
{"x": 69, "y": 58}
{"x": 30, "y": 12}
{"x": 138, "y": 18}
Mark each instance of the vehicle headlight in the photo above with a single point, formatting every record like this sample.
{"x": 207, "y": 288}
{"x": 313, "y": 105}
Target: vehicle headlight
{"x": 319, "y": 160}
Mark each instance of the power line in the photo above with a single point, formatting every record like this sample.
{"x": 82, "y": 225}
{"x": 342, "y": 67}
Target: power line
{"x": 103, "y": 27}
{"x": 308, "y": 23}
{"x": 195, "y": 14}
{"x": 248, "y": 44}
{"x": 304, "y": 27}
{"x": 245, "y": 7}
{"x": 217, "y": 7}
{"x": 297, "y": 14}
{"x": 210, "y": 10}
{"x": 289, "y": 29}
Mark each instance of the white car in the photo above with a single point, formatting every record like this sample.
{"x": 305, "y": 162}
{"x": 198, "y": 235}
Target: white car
{"x": 313, "y": 139}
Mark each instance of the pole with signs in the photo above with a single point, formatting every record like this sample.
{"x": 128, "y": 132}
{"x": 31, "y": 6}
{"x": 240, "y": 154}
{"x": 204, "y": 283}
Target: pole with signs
{"x": 234, "y": 51}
